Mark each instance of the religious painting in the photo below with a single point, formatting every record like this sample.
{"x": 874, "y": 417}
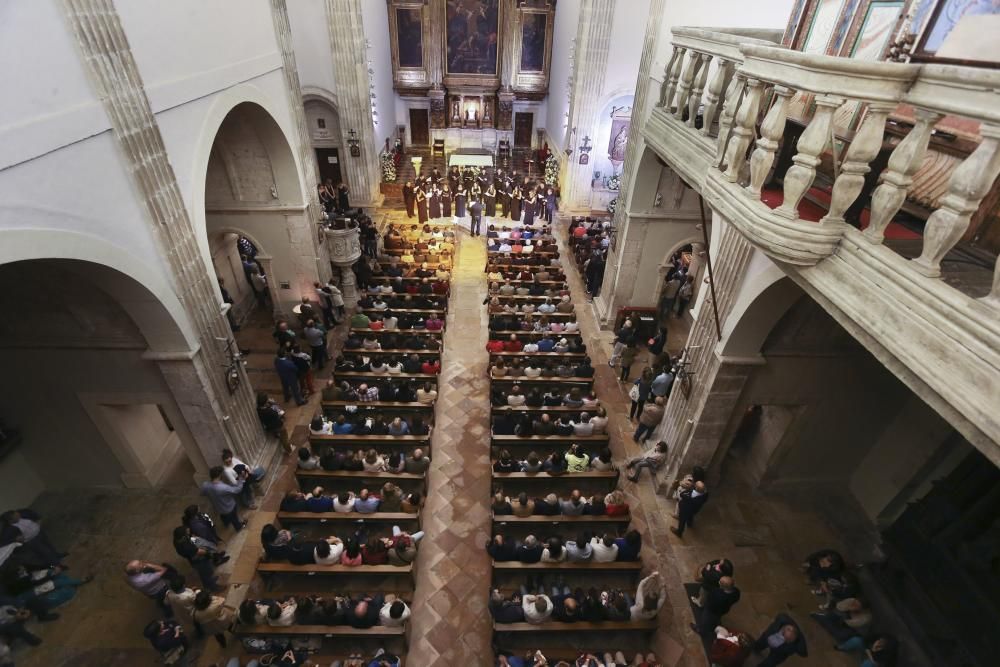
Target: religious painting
{"x": 948, "y": 15}
{"x": 619, "y": 136}
{"x": 533, "y": 42}
{"x": 472, "y": 35}
{"x": 409, "y": 37}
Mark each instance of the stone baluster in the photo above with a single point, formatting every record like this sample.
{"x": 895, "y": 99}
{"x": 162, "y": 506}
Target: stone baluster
{"x": 969, "y": 183}
{"x": 666, "y": 78}
{"x": 699, "y": 87}
{"x": 729, "y": 104}
{"x": 673, "y": 75}
{"x": 863, "y": 149}
{"x": 686, "y": 82}
{"x": 898, "y": 175}
{"x": 771, "y": 131}
{"x": 812, "y": 143}
{"x": 993, "y": 298}
{"x": 743, "y": 130}
{"x": 723, "y": 70}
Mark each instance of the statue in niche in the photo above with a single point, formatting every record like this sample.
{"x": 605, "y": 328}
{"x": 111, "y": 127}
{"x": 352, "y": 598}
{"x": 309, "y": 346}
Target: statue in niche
{"x": 456, "y": 111}
{"x": 618, "y": 143}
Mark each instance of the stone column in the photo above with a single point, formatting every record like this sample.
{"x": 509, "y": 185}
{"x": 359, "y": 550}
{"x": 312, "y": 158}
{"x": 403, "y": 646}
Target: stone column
{"x": 593, "y": 38}
{"x": 115, "y": 76}
{"x": 605, "y": 302}
{"x": 293, "y": 88}
{"x": 350, "y": 71}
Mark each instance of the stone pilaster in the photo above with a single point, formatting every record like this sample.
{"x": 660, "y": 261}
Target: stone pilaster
{"x": 115, "y": 75}
{"x": 508, "y": 26}
{"x": 593, "y": 39}
{"x": 605, "y": 303}
{"x": 683, "y": 422}
{"x": 435, "y": 37}
{"x": 350, "y": 71}
{"x": 283, "y": 34}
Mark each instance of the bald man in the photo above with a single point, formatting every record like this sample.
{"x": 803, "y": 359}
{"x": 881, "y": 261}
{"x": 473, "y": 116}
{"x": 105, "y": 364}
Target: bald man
{"x": 718, "y": 602}
{"x": 365, "y": 611}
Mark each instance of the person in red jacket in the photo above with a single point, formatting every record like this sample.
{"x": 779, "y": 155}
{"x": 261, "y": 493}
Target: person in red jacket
{"x": 495, "y": 345}
{"x": 431, "y": 367}
{"x": 513, "y": 345}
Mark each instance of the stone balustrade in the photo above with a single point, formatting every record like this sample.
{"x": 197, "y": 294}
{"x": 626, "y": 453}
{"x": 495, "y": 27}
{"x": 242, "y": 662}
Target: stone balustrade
{"x": 943, "y": 342}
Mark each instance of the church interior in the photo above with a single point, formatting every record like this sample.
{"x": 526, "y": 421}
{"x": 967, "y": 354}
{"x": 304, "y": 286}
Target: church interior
{"x": 544, "y": 333}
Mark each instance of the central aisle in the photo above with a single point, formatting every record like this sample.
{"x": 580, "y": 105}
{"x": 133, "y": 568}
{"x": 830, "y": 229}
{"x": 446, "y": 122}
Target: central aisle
{"x": 450, "y": 624}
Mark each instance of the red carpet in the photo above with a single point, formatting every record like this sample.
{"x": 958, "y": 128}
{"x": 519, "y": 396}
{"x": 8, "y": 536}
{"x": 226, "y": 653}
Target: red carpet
{"x": 812, "y": 208}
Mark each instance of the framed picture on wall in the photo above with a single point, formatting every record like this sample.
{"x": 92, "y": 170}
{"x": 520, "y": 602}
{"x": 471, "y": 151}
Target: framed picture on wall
{"x": 944, "y": 18}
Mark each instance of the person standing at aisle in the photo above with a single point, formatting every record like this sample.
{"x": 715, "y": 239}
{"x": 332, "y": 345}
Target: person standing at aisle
{"x": 550, "y": 204}
{"x": 223, "y": 496}
{"x": 421, "y": 199}
{"x": 343, "y": 202}
{"x": 408, "y": 198}
{"x": 476, "y": 210}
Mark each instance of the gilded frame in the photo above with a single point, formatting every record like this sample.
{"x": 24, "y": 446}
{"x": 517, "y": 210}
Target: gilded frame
{"x": 485, "y": 81}
{"x": 410, "y": 77}
{"x": 532, "y": 81}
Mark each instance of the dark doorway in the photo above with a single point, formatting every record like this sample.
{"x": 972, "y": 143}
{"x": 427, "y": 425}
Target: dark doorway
{"x": 420, "y": 134}
{"x": 523, "y": 123}
{"x": 329, "y": 164}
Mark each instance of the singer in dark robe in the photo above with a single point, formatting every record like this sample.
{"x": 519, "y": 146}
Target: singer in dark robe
{"x": 460, "y": 196}
{"x": 408, "y": 198}
{"x": 421, "y": 200}
{"x": 529, "y": 207}
{"x": 515, "y": 203}
{"x": 435, "y": 204}
{"x": 446, "y": 201}
{"x": 490, "y": 198}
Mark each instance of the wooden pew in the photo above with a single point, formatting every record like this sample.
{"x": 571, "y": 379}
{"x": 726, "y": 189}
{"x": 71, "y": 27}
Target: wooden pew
{"x": 542, "y": 440}
{"x": 347, "y": 518}
{"x": 505, "y": 333}
{"x": 557, "y": 409}
{"x": 521, "y": 379}
{"x": 334, "y": 479}
{"x": 368, "y": 376}
{"x": 537, "y": 316}
{"x": 401, "y": 442}
{"x": 581, "y": 626}
{"x": 614, "y": 566}
{"x": 338, "y": 406}
{"x": 271, "y": 570}
{"x": 416, "y": 311}
{"x": 545, "y": 477}
{"x": 538, "y": 519}
{"x": 322, "y": 630}
{"x": 382, "y": 332}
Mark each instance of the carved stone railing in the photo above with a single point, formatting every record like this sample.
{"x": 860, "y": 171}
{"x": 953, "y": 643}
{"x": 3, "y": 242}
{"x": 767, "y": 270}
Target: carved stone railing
{"x": 699, "y": 76}
{"x": 936, "y": 338}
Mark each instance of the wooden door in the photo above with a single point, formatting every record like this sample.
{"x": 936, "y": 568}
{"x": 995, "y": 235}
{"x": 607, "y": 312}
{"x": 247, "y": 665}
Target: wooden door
{"x": 420, "y": 134}
{"x": 523, "y": 123}
{"x": 329, "y": 164}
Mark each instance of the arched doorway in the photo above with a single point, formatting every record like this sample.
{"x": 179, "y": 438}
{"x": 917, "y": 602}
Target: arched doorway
{"x": 325, "y": 137}
{"x": 82, "y": 385}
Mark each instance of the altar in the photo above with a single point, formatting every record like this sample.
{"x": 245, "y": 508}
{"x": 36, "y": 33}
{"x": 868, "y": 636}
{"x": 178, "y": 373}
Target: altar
{"x": 470, "y": 157}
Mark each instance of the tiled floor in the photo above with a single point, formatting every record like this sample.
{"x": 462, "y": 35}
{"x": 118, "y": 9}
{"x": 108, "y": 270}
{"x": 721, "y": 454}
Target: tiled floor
{"x": 766, "y": 536}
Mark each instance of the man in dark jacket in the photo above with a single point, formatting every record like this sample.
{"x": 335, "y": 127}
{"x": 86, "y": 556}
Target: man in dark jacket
{"x": 782, "y": 639}
{"x": 718, "y": 602}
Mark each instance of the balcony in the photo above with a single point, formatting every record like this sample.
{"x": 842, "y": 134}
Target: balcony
{"x": 926, "y": 302}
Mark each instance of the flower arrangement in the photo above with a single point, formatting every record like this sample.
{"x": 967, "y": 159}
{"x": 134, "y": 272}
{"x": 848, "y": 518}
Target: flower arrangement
{"x": 551, "y": 169}
{"x": 614, "y": 182}
{"x": 388, "y": 164}
{"x": 612, "y": 205}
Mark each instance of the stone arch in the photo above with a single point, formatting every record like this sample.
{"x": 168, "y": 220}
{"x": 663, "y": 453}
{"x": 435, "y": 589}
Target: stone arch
{"x": 765, "y": 297}
{"x": 248, "y": 181}
{"x": 327, "y": 142}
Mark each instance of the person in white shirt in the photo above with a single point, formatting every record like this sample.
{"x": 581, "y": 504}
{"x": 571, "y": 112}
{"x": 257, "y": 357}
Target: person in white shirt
{"x": 504, "y": 247}
{"x": 605, "y": 549}
{"x": 547, "y": 307}
{"x": 320, "y": 425}
{"x": 537, "y": 608}
{"x": 328, "y": 551}
{"x": 530, "y": 347}
{"x": 282, "y": 614}
{"x": 554, "y": 551}
{"x": 600, "y": 422}
{"x": 426, "y": 394}
{"x": 571, "y": 327}
{"x": 232, "y": 477}
{"x": 579, "y": 550}
{"x": 582, "y": 427}
{"x": 344, "y": 503}
{"x": 390, "y": 322}
{"x": 649, "y": 597}
{"x": 516, "y": 397}
{"x": 394, "y": 614}
{"x": 532, "y": 371}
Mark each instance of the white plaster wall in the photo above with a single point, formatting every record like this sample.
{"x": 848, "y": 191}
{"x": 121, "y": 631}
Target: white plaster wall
{"x": 48, "y": 101}
{"x": 375, "y": 18}
{"x": 311, "y": 41}
{"x": 628, "y": 30}
{"x": 557, "y": 102}
{"x": 719, "y": 14}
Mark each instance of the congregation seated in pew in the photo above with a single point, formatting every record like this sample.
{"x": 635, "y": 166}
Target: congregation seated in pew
{"x": 612, "y": 504}
{"x": 541, "y": 368}
{"x": 359, "y": 548}
{"x": 352, "y": 423}
{"x": 517, "y": 397}
{"x": 361, "y": 612}
{"x": 556, "y": 462}
{"x": 511, "y": 422}
{"x": 390, "y": 340}
{"x": 538, "y": 602}
{"x": 390, "y": 301}
{"x": 586, "y": 547}
{"x": 581, "y": 659}
{"x": 398, "y": 391}
{"x": 335, "y": 459}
